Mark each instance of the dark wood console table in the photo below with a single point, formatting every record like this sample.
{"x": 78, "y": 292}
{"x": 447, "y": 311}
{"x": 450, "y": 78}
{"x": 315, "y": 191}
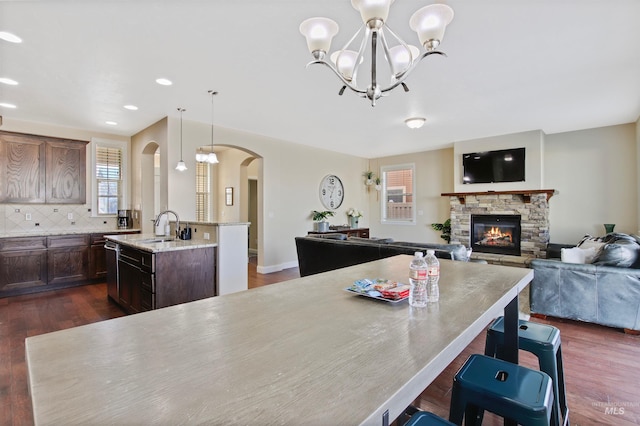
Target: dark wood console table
{"x": 351, "y": 232}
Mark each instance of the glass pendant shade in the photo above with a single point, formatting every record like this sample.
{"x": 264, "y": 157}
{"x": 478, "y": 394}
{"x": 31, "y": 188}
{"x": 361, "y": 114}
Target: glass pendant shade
{"x": 212, "y": 158}
{"x": 345, "y": 60}
{"x": 181, "y": 166}
{"x": 201, "y": 157}
{"x": 401, "y": 58}
{"x": 372, "y": 9}
{"x": 430, "y": 23}
{"x": 319, "y": 32}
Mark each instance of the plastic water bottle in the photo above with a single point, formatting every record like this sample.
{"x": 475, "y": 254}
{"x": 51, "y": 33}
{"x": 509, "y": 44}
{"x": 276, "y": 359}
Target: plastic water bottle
{"x": 418, "y": 281}
{"x": 433, "y": 276}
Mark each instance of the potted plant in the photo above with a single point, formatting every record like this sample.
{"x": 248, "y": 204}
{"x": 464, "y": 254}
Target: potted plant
{"x": 445, "y": 228}
{"x": 368, "y": 177}
{"x": 378, "y": 183}
{"x": 354, "y": 215}
{"x": 320, "y": 219}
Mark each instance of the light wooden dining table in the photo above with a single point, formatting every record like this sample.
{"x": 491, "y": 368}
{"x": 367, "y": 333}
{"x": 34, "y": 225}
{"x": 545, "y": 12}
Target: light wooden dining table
{"x": 303, "y": 352}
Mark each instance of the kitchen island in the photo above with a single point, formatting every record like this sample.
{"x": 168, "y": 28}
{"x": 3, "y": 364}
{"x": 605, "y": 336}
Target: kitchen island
{"x": 303, "y": 351}
{"x": 149, "y": 272}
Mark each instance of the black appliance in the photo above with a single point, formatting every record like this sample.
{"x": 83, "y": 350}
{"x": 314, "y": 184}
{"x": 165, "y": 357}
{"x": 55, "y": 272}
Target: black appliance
{"x": 124, "y": 219}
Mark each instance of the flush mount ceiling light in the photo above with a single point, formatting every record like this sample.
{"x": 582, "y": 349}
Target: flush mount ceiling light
{"x": 428, "y": 22}
{"x": 8, "y": 81}
{"x": 181, "y": 167}
{"x": 11, "y": 38}
{"x": 211, "y": 157}
{"x": 414, "y": 122}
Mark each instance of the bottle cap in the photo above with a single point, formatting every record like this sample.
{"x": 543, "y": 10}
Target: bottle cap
{"x": 431, "y": 252}
{"x": 418, "y": 254}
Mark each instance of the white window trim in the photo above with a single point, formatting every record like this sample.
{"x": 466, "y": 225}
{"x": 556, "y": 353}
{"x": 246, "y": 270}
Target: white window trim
{"x": 383, "y": 207}
{"x": 124, "y": 146}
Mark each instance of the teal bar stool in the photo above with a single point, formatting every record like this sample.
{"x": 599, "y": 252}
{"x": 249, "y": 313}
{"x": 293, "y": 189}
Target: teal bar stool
{"x": 543, "y": 341}
{"x": 509, "y": 390}
{"x": 424, "y": 418}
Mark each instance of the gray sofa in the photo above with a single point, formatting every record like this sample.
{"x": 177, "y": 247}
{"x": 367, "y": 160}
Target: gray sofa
{"x": 321, "y": 253}
{"x": 605, "y": 292}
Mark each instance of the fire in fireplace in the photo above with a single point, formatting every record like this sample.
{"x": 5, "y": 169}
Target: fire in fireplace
{"x": 496, "y": 233}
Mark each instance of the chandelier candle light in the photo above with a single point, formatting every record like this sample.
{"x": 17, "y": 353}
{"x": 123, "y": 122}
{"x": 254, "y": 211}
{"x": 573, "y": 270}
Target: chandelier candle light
{"x": 428, "y": 22}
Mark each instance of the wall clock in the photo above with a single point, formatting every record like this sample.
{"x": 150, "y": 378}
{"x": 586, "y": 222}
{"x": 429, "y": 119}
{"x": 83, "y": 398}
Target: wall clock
{"x": 331, "y": 192}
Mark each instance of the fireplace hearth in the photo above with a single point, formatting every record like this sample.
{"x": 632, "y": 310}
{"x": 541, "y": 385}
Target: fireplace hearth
{"x": 496, "y": 233}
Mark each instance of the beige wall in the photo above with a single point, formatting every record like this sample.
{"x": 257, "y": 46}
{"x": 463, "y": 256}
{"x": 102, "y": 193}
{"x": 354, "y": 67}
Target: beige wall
{"x": 288, "y": 182}
{"x": 595, "y": 173}
{"x": 434, "y": 175}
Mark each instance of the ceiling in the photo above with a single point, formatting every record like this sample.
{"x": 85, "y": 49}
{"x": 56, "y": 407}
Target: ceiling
{"x": 512, "y": 66}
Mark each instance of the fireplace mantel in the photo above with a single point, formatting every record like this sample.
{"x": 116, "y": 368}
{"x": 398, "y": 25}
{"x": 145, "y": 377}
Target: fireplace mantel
{"x": 526, "y": 194}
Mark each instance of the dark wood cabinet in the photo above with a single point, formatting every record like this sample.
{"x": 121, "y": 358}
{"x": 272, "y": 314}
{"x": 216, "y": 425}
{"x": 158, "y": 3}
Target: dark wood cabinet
{"x": 97, "y": 257}
{"x": 68, "y": 258}
{"x": 22, "y": 168}
{"x": 39, "y": 169}
{"x": 65, "y": 166}
{"x": 156, "y": 280}
{"x": 23, "y": 263}
{"x": 350, "y": 232}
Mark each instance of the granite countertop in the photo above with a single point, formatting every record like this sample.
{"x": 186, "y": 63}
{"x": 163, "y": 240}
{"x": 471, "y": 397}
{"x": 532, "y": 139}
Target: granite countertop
{"x": 159, "y": 243}
{"x": 68, "y": 232}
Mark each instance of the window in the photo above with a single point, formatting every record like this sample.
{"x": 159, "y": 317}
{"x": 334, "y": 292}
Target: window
{"x": 109, "y": 180}
{"x": 203, "y": 191}
{"x": 397, "y": 194}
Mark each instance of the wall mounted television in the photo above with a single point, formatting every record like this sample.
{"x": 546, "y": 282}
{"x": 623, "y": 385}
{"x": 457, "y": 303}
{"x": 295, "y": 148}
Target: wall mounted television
{"x": 505, "y": 165}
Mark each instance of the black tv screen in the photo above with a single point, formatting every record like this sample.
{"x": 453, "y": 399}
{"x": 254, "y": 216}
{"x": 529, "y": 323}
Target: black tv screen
{"x": 506, "y": 165}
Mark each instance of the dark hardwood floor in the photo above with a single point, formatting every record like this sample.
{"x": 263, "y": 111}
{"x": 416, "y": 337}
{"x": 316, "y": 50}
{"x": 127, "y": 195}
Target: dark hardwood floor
{"x": 601, "y": 364}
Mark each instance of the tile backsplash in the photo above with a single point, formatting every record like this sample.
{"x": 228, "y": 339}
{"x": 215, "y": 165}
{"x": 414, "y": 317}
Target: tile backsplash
{"x": 20, "y": 219}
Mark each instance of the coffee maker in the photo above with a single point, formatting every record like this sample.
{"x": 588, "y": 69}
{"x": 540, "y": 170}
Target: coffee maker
{"x": 124, "y": 219}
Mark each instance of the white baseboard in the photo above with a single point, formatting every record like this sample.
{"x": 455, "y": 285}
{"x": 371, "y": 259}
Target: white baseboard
{"x": 275, "y": 268}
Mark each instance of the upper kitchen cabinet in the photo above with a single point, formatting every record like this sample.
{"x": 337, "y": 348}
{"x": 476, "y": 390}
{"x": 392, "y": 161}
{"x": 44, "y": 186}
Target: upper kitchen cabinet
{"x": 37, "y": 169}
{"x": 66, "y": 162}
{"x": 22, "y": 168}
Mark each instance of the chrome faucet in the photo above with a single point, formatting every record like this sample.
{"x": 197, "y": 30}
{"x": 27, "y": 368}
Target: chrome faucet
{"x": 177, "y": 221}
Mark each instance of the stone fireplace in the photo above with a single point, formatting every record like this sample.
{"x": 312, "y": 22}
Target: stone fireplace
{"x": 530, "y": 207}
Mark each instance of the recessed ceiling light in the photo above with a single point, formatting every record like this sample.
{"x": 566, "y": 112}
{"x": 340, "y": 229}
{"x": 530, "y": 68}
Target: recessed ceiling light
{"x": 131, "y": 107}
{"x": 164, "y": 81}
{"x": 12, "y": 38}
{"x": 415, "y": 122}
{"x": 8, "y": 81}
{"x": 6, "y": 105}
{"x": 111, "y": 123}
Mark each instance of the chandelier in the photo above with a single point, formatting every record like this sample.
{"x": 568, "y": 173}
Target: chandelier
{"x": 211, "y": 157}
{"x": 428, "y": 22}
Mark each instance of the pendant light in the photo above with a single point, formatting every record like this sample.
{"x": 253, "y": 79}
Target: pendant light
{"x": 211, "y": 157}
{"x": 181, "y": 167}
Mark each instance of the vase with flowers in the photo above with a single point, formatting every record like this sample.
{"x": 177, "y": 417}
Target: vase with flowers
{"x": 354, "y": 215}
